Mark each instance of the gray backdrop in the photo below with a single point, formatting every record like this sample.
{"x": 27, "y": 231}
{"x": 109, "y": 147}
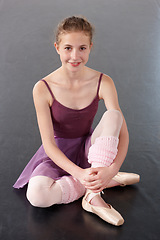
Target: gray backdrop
{"x": 126, "y": 47}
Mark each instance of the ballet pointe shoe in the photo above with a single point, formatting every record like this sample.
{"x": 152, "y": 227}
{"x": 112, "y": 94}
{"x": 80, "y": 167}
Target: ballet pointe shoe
{"x": 110, "y": 215}
{"x": 126, "y": 178}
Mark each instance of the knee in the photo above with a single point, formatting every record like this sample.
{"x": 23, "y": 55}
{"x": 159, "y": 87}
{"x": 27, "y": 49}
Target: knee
{"x": 35, "y": 195}
{"x": 113, "y": 115}
{"x": 113, "y": 118}
{"x": 112, "y": 122}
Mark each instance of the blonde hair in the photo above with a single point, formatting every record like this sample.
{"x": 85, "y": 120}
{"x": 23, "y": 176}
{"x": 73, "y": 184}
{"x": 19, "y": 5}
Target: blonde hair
{"x": 74, "y": 24}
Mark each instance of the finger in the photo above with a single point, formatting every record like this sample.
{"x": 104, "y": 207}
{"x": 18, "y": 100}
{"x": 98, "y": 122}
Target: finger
{"x": 93, "y": 171}
{"x": 95, "y": 187}
{"x": 99, "y": 188}
{"x": 92, "y": 184}
{"x": 91, "y": 178}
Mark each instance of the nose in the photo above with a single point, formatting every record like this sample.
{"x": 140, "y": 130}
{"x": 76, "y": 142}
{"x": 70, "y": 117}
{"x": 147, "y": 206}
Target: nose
{"x": 74, "y": 54}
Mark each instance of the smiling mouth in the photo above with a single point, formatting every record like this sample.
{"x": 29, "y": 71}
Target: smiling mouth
{"x": 75, "y": 64}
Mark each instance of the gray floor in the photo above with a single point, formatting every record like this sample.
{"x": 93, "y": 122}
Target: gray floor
{"x": 127, "y": 47}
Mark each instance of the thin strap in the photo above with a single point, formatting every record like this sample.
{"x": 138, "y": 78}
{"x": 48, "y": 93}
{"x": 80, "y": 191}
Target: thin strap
{"x": 100, "y": 78}
{"x": 48, "y": 87}
{"x": 90, "y": 195}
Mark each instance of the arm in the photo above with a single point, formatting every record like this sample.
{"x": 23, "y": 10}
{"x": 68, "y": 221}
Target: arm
{"x": 103, "y": 175}
{"x": 42, "y": 102}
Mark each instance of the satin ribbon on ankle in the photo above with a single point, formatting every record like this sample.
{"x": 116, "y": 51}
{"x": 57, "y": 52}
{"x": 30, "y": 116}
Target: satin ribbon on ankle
{"x": 90, "y": 195}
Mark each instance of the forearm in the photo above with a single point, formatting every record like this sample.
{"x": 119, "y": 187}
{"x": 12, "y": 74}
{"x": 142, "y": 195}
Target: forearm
{"x": 60, "y": 159}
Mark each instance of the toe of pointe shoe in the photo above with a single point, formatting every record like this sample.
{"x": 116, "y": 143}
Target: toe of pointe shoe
{"x": 126, "y": 178}
{"x": 110, "y": 215}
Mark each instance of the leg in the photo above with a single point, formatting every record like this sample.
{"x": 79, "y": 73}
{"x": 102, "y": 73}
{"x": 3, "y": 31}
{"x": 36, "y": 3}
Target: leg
{"x": 104, "y": 142}
{"x": 109, "y": 125}
{"x": 44, "y": 191}
{"x": 106, "y": 136}
{"x": 103, "y": 150}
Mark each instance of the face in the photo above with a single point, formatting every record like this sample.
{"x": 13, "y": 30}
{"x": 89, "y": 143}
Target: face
{"x": 74, "y": 49}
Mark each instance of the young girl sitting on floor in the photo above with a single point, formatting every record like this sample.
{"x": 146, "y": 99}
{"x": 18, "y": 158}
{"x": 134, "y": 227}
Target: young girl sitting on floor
{"x": 74, "y": 160}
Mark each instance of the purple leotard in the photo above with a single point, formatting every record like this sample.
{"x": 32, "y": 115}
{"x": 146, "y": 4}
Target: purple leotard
{"x": 72, "y": 130}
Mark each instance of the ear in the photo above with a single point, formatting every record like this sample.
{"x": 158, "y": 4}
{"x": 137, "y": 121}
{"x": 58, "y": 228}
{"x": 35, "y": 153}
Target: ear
{"x": 91, "y": 45}
{"x": 56, "y": 47}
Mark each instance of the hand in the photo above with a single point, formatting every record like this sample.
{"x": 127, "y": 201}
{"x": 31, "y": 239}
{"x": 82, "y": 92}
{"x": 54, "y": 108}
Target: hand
{"x": 98, "y": 178}
{"x": 84, "y": 174}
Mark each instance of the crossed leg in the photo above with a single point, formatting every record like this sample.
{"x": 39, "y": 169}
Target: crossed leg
{"x": 104, "y": 143}
{"x": 109, "y": 125}
{"x": 44, "y": 191}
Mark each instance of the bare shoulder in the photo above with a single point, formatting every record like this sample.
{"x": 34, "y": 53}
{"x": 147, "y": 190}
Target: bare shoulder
{"x": 107, "y": 86}
{"x": 108, "y": 92}
{"x": 39, "y": 89}
{"x": 41, "y": 93}
{"x": 107, "y": 80}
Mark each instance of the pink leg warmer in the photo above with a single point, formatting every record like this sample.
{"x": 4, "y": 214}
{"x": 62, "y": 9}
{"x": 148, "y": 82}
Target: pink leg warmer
{"x": 44, "y": 192}
{"x": 103, "y": 152}
{"x": 71, "y": 189}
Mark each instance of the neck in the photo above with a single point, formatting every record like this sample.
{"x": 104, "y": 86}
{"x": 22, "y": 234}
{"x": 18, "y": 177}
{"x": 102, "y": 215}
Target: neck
{"x": 73, "y": 76}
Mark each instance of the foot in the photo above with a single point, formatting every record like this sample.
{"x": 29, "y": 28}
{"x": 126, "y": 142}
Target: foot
{"x": 123, "y": 179}
{"x": 92, "y": 202}
{"x": 98, "y": 201}
{"x": 113, "y": 183}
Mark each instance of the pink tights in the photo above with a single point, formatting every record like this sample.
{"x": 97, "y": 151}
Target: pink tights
{"x": 44, "y": 191}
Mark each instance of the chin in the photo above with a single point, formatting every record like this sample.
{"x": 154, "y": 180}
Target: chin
{"x": 75, "y": 69}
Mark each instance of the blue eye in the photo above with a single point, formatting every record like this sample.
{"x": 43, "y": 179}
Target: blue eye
{"x": 67, "y": 48}
{"x": 83, "y": 48}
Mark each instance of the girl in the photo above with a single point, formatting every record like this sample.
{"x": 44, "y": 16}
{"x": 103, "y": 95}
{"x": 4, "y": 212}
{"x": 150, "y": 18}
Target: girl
{"x": 74, "y": 160}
